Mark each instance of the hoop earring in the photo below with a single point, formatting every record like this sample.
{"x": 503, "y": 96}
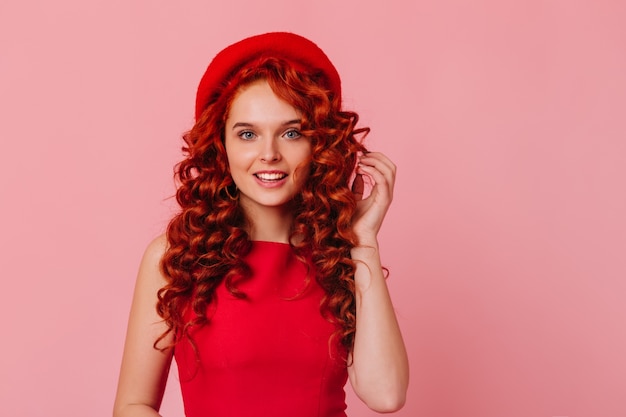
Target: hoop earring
{"x": 236, "y": 197}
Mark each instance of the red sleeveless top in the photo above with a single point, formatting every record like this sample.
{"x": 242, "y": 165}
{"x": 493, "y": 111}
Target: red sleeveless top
{"x": 269, "y": 354}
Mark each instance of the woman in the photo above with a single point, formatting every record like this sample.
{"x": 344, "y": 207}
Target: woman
{"x": 268, "y": 286}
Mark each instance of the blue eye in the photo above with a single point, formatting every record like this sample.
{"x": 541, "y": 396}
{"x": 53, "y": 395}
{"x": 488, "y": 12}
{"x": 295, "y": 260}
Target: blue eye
{"x": 292, "y": 134}
{"x": 246, "y": 135}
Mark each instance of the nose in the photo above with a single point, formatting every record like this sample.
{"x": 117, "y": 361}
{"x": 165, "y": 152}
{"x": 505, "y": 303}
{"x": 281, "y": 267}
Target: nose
{"x": 270, "y": 151}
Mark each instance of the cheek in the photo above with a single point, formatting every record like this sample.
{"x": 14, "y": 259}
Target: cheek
{"x": 238, "y": 157}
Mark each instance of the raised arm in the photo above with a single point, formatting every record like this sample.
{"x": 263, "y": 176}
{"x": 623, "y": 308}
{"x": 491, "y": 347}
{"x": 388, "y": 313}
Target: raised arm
{"x": 144, "y": 369}
{"x": 379, "y": 372}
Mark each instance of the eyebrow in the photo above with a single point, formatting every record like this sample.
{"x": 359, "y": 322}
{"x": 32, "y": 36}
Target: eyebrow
{"x": 288, "y": 123}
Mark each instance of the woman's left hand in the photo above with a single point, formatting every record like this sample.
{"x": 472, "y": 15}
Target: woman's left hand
{"x": 371, "y": 211}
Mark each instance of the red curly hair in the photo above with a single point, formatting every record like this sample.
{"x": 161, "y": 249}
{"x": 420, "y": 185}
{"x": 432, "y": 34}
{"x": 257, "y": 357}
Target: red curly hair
{"x": 207, "y": 240}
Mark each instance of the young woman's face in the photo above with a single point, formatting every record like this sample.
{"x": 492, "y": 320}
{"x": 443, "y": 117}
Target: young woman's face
{"x": 268, "y": 157}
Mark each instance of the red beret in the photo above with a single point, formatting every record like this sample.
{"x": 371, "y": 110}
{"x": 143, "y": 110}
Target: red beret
{"x": 298, "y": 50}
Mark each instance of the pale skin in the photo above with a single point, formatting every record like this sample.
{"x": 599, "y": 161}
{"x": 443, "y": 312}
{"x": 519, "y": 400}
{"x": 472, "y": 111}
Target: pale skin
{"x": 263, "y": 145}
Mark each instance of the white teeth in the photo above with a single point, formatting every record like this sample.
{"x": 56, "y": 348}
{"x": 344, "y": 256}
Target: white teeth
{"x": 267, "y": 176}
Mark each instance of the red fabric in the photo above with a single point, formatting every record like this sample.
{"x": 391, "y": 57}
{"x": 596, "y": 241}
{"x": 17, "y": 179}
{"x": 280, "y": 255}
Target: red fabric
{"x": 300, "y": 51}
{"x": 268, "y": 355}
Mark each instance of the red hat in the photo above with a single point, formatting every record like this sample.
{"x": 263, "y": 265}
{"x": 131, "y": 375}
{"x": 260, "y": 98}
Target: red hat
{"x": 298, "y": 50}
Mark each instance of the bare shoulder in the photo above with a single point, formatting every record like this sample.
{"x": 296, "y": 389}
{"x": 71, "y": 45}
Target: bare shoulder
{"x": 150, "y": 268}
{"x": 156, "y": 248}
{"x": 150, "y": 280}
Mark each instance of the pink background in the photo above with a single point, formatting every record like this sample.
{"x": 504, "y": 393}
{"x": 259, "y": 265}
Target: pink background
{"x": 507, "y": 237}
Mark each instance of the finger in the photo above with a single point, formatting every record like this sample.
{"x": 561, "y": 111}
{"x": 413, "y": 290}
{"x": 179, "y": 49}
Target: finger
{"x": 383, "y": 185}
{"x": 379, "y": 161}
{"x": 358, "y": 186}
{"x": 384, "y": 166}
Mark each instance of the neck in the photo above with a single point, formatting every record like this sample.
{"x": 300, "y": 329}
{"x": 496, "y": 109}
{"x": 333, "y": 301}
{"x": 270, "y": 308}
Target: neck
{"x": 271, "y": 224}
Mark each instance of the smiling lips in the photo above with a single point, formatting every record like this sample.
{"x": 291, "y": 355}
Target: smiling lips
{"x": 270, "y": 176}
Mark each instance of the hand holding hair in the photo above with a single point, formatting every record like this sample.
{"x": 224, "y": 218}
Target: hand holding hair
{"x": 370, "y": 212}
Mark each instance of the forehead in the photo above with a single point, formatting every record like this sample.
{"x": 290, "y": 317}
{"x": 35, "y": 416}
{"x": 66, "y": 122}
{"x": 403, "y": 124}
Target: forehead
{"x": 257, "y": 102}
